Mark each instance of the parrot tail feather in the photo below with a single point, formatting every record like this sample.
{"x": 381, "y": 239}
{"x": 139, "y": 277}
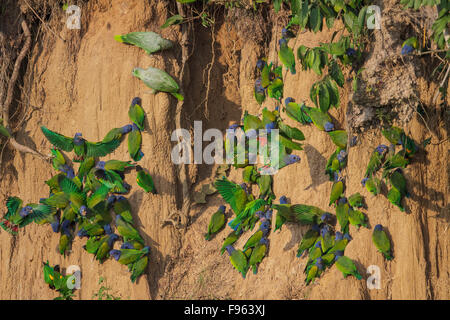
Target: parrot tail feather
{"x": 357, "y": 275}
{"x": 178, "y": 96}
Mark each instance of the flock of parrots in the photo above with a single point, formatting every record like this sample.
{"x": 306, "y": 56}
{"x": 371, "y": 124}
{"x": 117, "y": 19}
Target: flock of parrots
{"x": 83, "y": 202}
{"x": 323, "y": 245}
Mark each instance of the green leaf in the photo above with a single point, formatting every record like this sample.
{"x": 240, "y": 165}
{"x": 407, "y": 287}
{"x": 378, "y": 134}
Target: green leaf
{"x": 290, "y": 144}
{"x": 336, "y": 73}
{"x": 186, "y": 1}
{"x": 324, "y": 97}
{"x": 291, "y": 132}
{"x": 333, "y": 90}
{"x": 173, "y": 20}
{"x": 303, "y": 14}
{"x": 277, "y": 5}
{"x": 315, "y": 19}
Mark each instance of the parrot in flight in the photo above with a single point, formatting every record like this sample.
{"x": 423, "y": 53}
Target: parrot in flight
{"x": 79, "y": 145}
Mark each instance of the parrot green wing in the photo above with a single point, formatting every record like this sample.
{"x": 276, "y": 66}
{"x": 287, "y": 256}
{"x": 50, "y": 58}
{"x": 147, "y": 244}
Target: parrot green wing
{"x": 356, "y": 218}
{"x": 64, "y": 244}
{"x": 58, "y": 200}
{"x": 137, "y": 114}
{"x": 342, "y": 216}
{"x": 251, "y": 122}
{"x": 374, "y": 164}
{"x": 40, "y": 212}
{"x": 113, "y": 134}
{"x": 239, "y": 261}
{"x": 382, "y": 243}
{"x": 347, "y": 267}
{"x": 216, "y": 223}
{"x": 58, "y": 140}
{"x": 258, "y": 254}
{"x": 336, "y": 191}
{"x": 149, "y": 41}
{"x": 229, "y": 240}
{"x": 13, "y": 204}
{"x": 145, "y": 181}
{"x": 134, "y": 144}
{"x": 395, "y": 197}
{"x": 118, "y": 165}
{"x": 318, "y": 117}
{"x": 233, "y": 194}
{"x": 307, "y": 241}
{"x": 57, "y": 159}
{"x": 99, "y": 195}
{"x": 101, "y": 149}
{"x": 85, "y": 166}
{"x": 356, "y": 200}
{"x": 129, "y": 256}
{"x": 398, "y": 181}
{"x": 393, "y": 134}
{"x": 157, "y": 79}
{"x": 290, "y": 132}
{"x": 253, "y": 240}
{"x": 94, "y": 243}
{"x": 138, "y": 268}
{"x": 339, "y": 138}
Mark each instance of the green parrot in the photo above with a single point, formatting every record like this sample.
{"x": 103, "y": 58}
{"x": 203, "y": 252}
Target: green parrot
{"x": 286, "y": 55}
{"x": 158, "y": 80}
{"x": 90, "y": 229}
{"x": 149, "y": 41}
{"x": 65, "y": 241}
{"x": 53, "y": 182}
{"x": 340, "y": 242}
{"x": 3, "y": 130}
{"x": 373, "y": 185}
{"x": 105, "y": 246}
{"x": 258, "y": 254}
{"x": 19, "y": 217}
{"x": 265, "y": 185}
{"x": 398, "y": 181}
{"x": 238, "y": 260}
{"x": 248, "y": 253}
{"x": 85, "y": 167}
{"x": 259, "y": 92}
{"x": 347, "y": 267}
{"x": 116, "y": 133}
{"x": 232, "y": 237}
{"x": 342, "y": 210}
{"x": 129, "y": 256}
{"x": 251, "y": 122}
{"x": 235, "y": 195}
{"x": 266, "y": 74}
{"x": 138, "y": 268}
{"x": 126, "y": 230}
{"x": 136, "y": 113}
{"x": 297, "y": 112}
{"x": 249, "y": 174}
{"x": 326, "y": 239}
{"x": 314, "y": 271}
{"x": 145, "y": 180}
{"x": 217, "y": 222}
{"x": 357, "y": 218}
{"x": 314, "y": 253}
{"x": 118, "y": 165}
{"x": 410, "y": 147}
{"x": 80, "y": 146}
{"x": 58, "y": 159}
{"x": 319, "y": 118}
{"x": 301, "y": 213}
{"x": 409, "y": 44}
{"x": 376, "y": 159}
{"x": 356, "y": 200}
{"x": 336, "y": 191}
{"x": 308, "y": 240}
{"x": 381, "y": 242}
{"x": 333, "y": 165}
{"x": 395, "y": 197}
{"x": 98, "y": 196}
{"x": 395, "y": 161}
{"x": 257, "y": 236}
{"x": 135, "y": 143}
{"x": 122, "y": 206}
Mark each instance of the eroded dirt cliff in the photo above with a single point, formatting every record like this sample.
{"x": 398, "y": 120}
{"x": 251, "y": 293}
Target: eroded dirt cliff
{"x": 85, "y": 84}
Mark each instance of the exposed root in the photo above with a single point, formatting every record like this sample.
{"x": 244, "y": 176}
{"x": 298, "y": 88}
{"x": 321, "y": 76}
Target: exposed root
{"x": 9, "y": 96}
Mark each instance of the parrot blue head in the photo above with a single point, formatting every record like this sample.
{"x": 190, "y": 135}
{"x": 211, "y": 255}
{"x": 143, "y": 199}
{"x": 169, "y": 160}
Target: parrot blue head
{"x": 269, "y": 126}
{"x": 350, "y": 52}
{"x": 315, "y": 227}
{"x": 378, "y": 227}
{"x": 258, "y": 86}
{"x": 269, "y": 214}
{"x": 353, "y": 141}
{"x": 407, "y": 49}
{"x": 100, "y": 165}
{"x": 264, "y": 241}
{"x": 146, "y": 249}
{"x": 343, "y": 200}
{"x": 336, "y": 176}
{"x": 325, "y": 230}
{"x": 118, "y": 218}
{"x": 341, "y": 155}
{"x": 259, "y": 214}
{"x": 111, "y": 199}
{"x": 67, "y": 170}
{"x": 107, "y": 228}
{"x": 283, "y": 200}
{"x": 348, "y": 237}
{"x": 222, "y": 208}
{"x": 82, "y": 233}
{"x": 265, "y": 225}
{"x": 134, "y": 127}
{"x": 55, "y": 226}
{"x": 328, "y": 126}
{"x": 260, "y": 64}
{"x": 363, "y": 181}
{"x": 277, "y": 108}
{"x": 288, "y": 100}
{"x": 126, "y": 129}
{"x": 338, "y": 236}
{"x": 112, "y": 239}
{"x": 325, "y": 217}
{"x": 235, "y": 227}
{"x": 115, "y": 254}
{"x": 282, "y": 42}
{"x": 25, "y": 211}
{"x": 77, "y": 139}
{"x": 318, "y": 244}
{"x": 244, "y": 186}
{"x": 126, "y": 245}
{"x": 230, "y": 249}
{"x": 65, "y": 224}
{"x": 292, "y": 158}
{"x": 381, "y": 149}
{"x": 233, "y": 126}
{"x": 337, "y": 254}
{"x": 136, "y": 100}
{"x": 83, "y": 211}
{"x": 286, "y": 33}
